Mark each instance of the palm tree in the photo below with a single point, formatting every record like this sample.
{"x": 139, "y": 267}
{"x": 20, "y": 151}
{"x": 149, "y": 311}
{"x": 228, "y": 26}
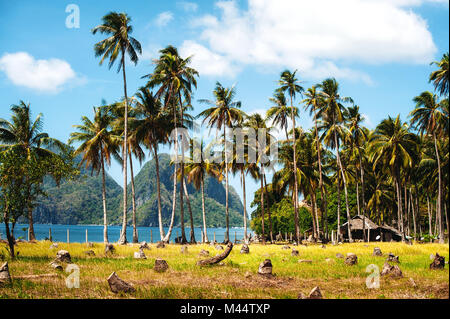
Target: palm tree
{"x": 313, "y": 102}
{"x": 98, "y": 144}
{"x": 289, "y": 83}
{"x": 224, "y": 112}
{"x": 279, "y": 113}
{"x": 334, "y": 131}
{"x": 392, "y": 145}
{"x": 440, "y": 76}
{"x": 427, "y": 117}
{"x": 22, "y": 131}
{"x": 358, "y": 137}
{"x": 174, "y": 78}
{"x": 197, "y": 170}
{"x": 117, "y": 27}
{"x": 151, "y": 127}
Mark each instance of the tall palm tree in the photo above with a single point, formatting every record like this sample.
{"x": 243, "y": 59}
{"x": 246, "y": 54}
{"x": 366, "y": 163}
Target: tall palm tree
{"x": 98, "y": 144}
{"x": 152, "y": 125}
{"x": 280, "y": 112}
{"x": 334, "y": 130}
{"x": 290, "y": 84}
{"x": 358, "y": 137}
{"x": 440, "y": 77}
{"x": 119, "y": 42}
{"x": 257, "y": 122}
{"x": 22, "y": 131}
{"x": 197, "y": 171}
{"x": 223, "y": 112}
{"x": 313, "y": 102}
{"x": 174, "y": 78}
{"x": 392, "y": 145}
{"x": 427, "y": 116}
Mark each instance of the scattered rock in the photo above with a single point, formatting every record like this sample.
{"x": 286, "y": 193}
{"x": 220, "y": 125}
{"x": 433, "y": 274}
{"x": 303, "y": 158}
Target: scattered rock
{"x": 203, "y": 253}
{"x": 160, "y": 244}
{"x": 307, "y": 261}
{"x": 412, "y": 282}
{"x": 139, "y": 254}
{"x": 144, "y": 245}
{"x": 5, "y": 277}
{"x": 265, "y": 268}
{"x": 89, "y": 253}
{"x": 110, "y": 249}
{"x": 393, "y": 258}
{"x": 218, "y": 247}
{"x": 323, "y": 246}
{"x": 285, "y": 247}
{"x": 245, "y": 249}
{"x": 377, "y": 252}
{"x": 294, "y": 252}
{"x": 118, "y": 285}
{"x": 339, "y": 255}
{"x": 54, "y": 245}
{"x": 301, "y": 295}
{"x": 63, "y": 256}
{"x": 184, "y": 249}
{"x": 438, "y": 262}
{"x": 329, "y": 260}
{"x": 314, "y": 294}
{"x": 351, "y": 259}
{"x": 391, "y": 271}
{"x": 55, "y": 265}
{"x": 160, "y": 265}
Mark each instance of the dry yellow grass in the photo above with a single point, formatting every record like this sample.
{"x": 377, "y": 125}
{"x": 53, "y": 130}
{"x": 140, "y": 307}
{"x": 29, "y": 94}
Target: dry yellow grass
{"x": 236, "y": 277}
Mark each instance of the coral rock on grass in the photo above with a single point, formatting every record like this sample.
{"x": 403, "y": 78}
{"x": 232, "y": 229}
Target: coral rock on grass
{"x": 391, "y": 271}
{"x": 63, "y": 256}
{"x": 160, "y": 244}
{"x": 139, "y": 254}
{"x": 438, "y": 262}
{"x": 218, "y": 247}
{"x": 314, "y": 294}
{"x": 323, "y": 246}
{"x": 245, "y": 249}
{"x": 285, "y": 247}
{"x": 109, "y": 249}
{"x": 377, "y": 252}
{"x": 351, "y": 259}
{"x": 54, "y": 245}
{"x": 144, "y": 245}
{"x": 160, "y": 265}
{"x": 89, "y": 252}
{"x": 55, "y": 265}
{"x": 184, "y": 249}
{"x": 118, "y": 285}
{"x": 265, "y": 268}
{"x": 5, "y": 277}
{"x": 339, "y": 255}
{"x": 393, "y": 258}
{"x": 203, "y": 253}
{"x": 294, "y": 252}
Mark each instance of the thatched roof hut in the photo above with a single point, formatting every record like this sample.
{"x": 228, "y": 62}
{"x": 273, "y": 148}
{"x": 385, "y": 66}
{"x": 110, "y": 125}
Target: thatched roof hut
{"x": 373, "y": 231}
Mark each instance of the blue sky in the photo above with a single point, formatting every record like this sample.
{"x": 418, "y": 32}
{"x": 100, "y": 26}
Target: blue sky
{"x": 379, "y": 51}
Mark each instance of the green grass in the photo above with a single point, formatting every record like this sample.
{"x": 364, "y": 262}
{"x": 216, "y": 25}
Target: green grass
{"x": 236, "y": 277}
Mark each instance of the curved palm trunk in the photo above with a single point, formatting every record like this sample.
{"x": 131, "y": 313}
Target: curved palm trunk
{"x": 399, "y": 208}
{"x": 413, "y": 213}
{"x": 183, "y": 233}
{"x": 174, "y": 200}
{"x": 133, "y": 201}
{"x": 158, "y": 190}
{"x": 268, "y": 209}
{"x": 350, "y": 239}
{"x": 205, "y": 235}
{"x": 430, "y": 232}
{"x": 227, "y": 234}
{"x": 262, "y": 208}
{"x": 439, "y": 200}
{"x": 245, "y": 203}
{"x": 123, "y": 234}
{"x": 338, "y": 208}
{"x": 314, "y": 204}
{"x": 192, "y": 235}
{"x": 105, "y": 224}
{"x": 313, "y": 217}
{"x": 363, "y": 197}
{"x": 297, "y": 229}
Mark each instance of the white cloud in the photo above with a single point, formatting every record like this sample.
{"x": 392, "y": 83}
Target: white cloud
{"x": 49, "y": 76}
{"x": 207, "y": 62}
{"x": 320, "y": 38}
{"x": 188, "y": 6}
{"x": 164, "y": 18}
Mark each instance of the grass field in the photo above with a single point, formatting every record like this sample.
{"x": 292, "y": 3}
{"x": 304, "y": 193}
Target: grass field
{"x": 235, "y": 277}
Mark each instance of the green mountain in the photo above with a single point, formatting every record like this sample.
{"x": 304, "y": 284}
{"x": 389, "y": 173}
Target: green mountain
{"x": 79, "y": 201}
